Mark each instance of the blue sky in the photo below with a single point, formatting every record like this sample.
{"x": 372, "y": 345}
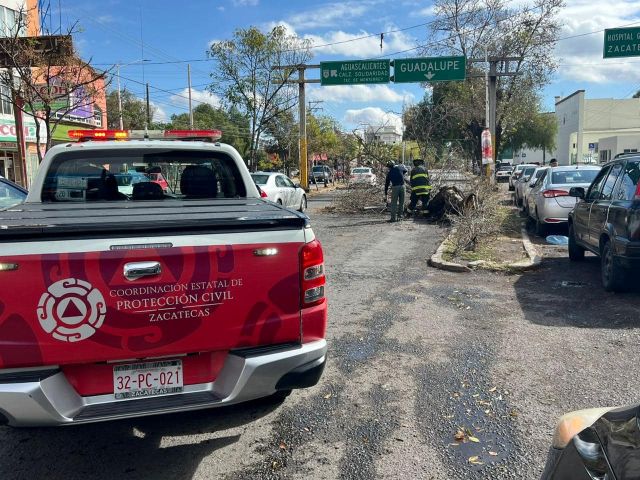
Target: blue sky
{"x": 119, "y": 31}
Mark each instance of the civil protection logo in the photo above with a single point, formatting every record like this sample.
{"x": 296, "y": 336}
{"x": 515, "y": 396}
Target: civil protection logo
{"x": 71, "y": 310}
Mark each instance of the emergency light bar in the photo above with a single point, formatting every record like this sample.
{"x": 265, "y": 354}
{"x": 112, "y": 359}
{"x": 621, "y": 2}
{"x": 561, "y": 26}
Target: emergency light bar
{"x": 204, "y": 135}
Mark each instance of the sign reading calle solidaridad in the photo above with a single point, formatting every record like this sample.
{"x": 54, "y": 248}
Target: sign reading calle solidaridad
{"x": 354, "y": 72}
{"x": 405, "y": 70}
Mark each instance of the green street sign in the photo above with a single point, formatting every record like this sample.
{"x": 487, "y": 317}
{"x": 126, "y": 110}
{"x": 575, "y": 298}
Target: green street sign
{"x": 433, "y": 69}
{"x": 621, "y": 42}
{"x": 354, "y": 72}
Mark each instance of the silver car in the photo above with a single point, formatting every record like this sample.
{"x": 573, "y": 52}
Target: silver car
{"x": 515, "y": 174}
{"x": 522, "y": 182}
{"x": 549, "y": 201}
{"x": 537, "y": 176}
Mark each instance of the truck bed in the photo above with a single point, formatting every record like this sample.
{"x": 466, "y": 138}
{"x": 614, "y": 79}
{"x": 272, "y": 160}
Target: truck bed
{"x": 61, "y": 220}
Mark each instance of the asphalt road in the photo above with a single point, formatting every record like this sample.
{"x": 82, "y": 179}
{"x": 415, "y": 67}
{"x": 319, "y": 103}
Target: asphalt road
{"x": 416, "y": 354}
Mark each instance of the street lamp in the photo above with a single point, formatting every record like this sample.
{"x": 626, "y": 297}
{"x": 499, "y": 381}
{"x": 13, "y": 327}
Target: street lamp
{"x": 118, "y": 81}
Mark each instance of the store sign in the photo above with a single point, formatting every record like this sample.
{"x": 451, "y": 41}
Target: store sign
{"x": 8, "y": 131}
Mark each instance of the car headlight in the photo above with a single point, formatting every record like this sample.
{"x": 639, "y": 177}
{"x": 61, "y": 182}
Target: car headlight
{"x": 570, "y": 424}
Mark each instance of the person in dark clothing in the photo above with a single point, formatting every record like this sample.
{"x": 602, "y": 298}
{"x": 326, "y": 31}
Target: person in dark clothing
{"x": 395, "y": 178}
{"x": 420, "y": 185}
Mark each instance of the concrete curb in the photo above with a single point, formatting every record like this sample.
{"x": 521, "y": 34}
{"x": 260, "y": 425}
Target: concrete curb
{"x": 436, "y": 260}
{"x": 533, "y": 261}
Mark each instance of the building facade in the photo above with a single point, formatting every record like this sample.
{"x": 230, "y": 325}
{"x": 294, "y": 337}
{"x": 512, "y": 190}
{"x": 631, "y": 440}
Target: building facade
{"x": 78, "y": 108}
{"x": 583, "y": 122}
{"x": 387, "y": 134}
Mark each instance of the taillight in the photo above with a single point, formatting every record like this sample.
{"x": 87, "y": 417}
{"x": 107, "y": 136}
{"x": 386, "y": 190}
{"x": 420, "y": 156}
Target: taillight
{"x": 263, "y": 194}
{"x": 312, "y": 274}
{"x": 637, "y": 194}
{"x": 555, "y": 193}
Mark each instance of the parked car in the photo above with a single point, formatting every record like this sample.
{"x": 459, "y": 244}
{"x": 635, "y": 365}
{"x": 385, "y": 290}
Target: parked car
{"x": 549, "y": 201}
{"x": 11, "y": 194}
{"x": 362, "y": 175}
{"x": 281, "y": 190}
{"x": 503, "y": 173}
{"x": 606, "y": 221}
{"x": 152, "y": 304}
{"x": 536, "y": 178}
{"x": 127, "y": 180}
{"x": 597, "y": 443}
{"x": 321, "y": 174}
{"x": 522, "y": 182}
{"x": 515, "y": 174}
{"x": 157, "y": 177}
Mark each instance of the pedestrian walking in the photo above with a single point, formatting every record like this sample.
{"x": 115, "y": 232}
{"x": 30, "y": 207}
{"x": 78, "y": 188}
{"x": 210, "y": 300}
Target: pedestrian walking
{"x": 395, "y": 178}
{"x": 420, "y": 185}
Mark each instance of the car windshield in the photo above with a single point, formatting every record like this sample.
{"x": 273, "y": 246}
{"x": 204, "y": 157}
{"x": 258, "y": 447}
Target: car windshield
{"x": 259, "y": 178}
{"x": 99, "y": 175}
{"x": 10, "y": 195}
{"x": 318, "y": 169}
{"x": 504, "y": 169}
{"x": 361, "y": 170}
{"x": 528, "y": 171}
{"x": 573, "y": 176}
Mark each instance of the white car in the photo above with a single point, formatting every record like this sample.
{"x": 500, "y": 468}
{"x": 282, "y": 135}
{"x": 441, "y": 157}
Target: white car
{"x": 280, "y": 189}
{"x": 362, "y": 175}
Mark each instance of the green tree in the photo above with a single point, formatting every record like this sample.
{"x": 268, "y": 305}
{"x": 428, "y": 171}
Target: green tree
{"x": 234, "y": 126}
{"x": 282, "y": 138}
{"x": 134, "y": 110}
{"x": 537, "y": 131}
{"x": 473, "y": 28}
{"x": 244, "y": 76}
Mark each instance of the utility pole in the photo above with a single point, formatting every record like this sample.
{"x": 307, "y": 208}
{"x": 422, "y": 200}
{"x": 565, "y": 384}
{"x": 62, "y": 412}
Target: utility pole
{"x": 120, "y": 123}
{"x": 302, "y": 114}
{"x": 190, "y": 108}
{"x": 491, "y": 77}
{"x": 147, "y": 122}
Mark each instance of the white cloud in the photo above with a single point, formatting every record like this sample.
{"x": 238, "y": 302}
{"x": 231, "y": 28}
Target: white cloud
{"x": 360, "y": 44}
{"x": 159, "y": 114}
{"x": 581, "y": 58}
{"x": 197, "y": 97}
{"x": 372, "y": 116}
{"x": 360, "y": 93}
{"x": 244, "y": 3}
{"x": 220, "y": 8}
{"x": 330, "y": 14}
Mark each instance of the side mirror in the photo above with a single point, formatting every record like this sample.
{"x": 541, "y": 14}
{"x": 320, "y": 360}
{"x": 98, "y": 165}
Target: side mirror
{"x": 526, "y": 179}
{"x": 297, "y": 185}
{"x": 577, "y": 192}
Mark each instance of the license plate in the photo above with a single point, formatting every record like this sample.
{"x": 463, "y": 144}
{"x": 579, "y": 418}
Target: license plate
{"x": 147, "y": 379}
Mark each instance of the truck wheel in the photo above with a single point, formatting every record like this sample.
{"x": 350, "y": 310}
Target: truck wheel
{"x": 613, "y": 275}
{"x": 576, "y": 252}
{"x": 303, "y": 204}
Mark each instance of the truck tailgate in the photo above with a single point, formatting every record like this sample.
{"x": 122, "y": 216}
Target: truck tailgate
{"x": 81, "y": 300}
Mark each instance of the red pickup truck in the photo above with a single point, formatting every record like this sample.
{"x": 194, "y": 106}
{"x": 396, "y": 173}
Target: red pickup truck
{"x": 116, "y": 305}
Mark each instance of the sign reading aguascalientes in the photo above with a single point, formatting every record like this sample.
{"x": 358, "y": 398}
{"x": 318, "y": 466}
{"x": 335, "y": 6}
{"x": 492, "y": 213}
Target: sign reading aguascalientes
{"x": 354, "y": 72}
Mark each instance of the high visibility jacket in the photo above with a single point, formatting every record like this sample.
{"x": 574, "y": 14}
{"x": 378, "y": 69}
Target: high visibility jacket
{"x": 420, "y": 181}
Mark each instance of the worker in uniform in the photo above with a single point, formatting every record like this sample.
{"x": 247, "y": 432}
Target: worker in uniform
{"x": 395, "y": 178}
{"x": 420, "y": 186}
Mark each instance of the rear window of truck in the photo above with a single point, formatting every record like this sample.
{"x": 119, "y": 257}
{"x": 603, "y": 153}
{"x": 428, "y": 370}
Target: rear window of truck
{"x": 122, "y": 175}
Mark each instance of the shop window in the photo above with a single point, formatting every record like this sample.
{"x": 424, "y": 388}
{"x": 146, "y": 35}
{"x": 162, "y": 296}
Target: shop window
{"x": 5, "y": 100}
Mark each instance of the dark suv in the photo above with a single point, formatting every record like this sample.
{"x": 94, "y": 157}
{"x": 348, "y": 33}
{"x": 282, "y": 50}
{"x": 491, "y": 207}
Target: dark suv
{"x": 607, "y": 221}
{"x": 321, "y": 174}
